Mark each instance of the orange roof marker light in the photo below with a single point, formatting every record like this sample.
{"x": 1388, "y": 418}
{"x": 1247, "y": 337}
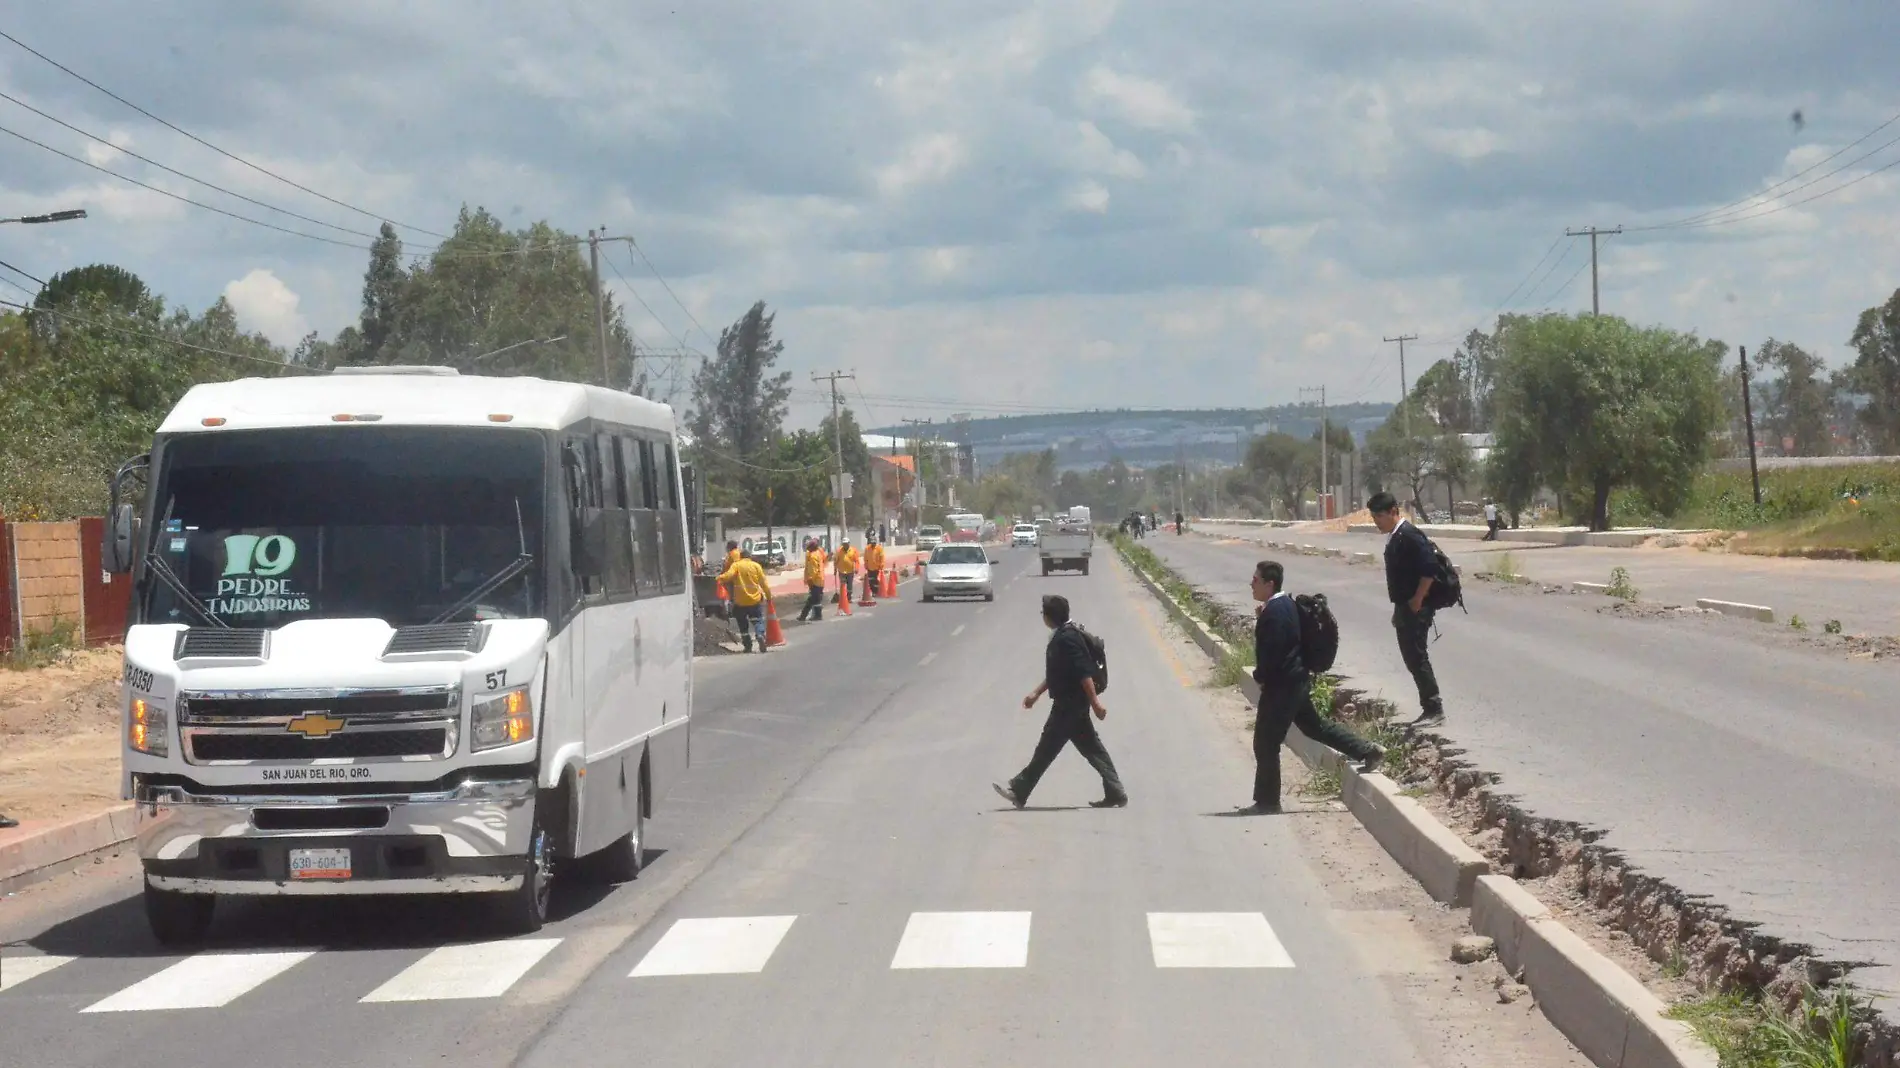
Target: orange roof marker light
{"x": 212, "y": 420}
{"x": 346, "y": 417}
{"x": 500, "y": 417}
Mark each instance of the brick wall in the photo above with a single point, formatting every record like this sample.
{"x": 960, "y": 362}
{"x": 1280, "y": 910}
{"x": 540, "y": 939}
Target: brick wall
{"x": 46, "y": 572}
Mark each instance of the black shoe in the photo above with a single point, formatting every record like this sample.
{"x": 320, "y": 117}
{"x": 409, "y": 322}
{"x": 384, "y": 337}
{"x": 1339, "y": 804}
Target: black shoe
{"x": 1008, "y": 793}
{"x": 8, "y": 821}
{"x": 1258, "y": 809}
{"x": 1110, "y": 802}
{"x": 1373, "y": 761}
{"x": 1432, "y": 718}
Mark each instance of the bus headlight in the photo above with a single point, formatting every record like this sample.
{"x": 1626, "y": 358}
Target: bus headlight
{"x": 503, "y": 719}
{"x": 146, "y": 728}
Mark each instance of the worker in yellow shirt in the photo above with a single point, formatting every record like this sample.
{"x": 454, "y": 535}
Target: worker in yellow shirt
{"x": 847, "y": 567}
{"x": 814, "y": 610}
{"x": 873, "y": 564}
{"x": 746, "y": 580}
{"x": 732, "y": 553}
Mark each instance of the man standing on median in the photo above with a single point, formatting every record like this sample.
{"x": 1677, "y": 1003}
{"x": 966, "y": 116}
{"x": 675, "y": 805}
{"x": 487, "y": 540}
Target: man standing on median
{"x": 1410, "y": 568}
{"x": 1286, "y": 692}
{"x": 847, "y": 567}
{"x": 746, "y": 580}
{"x": 1069, "y": 680}
{"x": 814, "y": 609}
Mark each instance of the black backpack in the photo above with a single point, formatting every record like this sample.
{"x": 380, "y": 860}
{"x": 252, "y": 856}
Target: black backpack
{"x": 1098, "y": 652}
{"x": 1445, "y": 590}
{"x": 1319, "y": 632}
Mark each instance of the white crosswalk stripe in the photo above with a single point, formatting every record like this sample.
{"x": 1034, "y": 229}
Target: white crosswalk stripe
{"x": 964, "y": 940}
{"x": 727, "y": 946}
{"x": 17, "y": 970}
{"x": 205, "y": 981}
{"x": 481, "y": 970}
{"x": 1215, "y": 940}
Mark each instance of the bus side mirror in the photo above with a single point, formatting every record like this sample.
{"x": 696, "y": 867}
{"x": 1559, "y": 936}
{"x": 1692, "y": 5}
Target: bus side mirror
{"x": 121, "y": 535}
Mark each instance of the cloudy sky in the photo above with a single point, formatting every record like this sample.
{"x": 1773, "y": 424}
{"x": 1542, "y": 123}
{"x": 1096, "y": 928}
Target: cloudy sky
{"x": 1004, "y": 206}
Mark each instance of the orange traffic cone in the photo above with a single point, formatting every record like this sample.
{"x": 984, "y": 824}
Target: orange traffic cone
{"x": 868, "y": 599}
{"x": 844, "y": 602}
{"x": 890, "y": 583}
{"x": 774, "y": 634}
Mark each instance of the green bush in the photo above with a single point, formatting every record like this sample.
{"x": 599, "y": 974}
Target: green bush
{"x": 1725, "y": 499}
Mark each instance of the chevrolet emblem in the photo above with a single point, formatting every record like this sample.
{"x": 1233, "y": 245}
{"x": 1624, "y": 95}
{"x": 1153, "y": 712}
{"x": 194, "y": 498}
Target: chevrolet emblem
{"x": 314, "y": 725}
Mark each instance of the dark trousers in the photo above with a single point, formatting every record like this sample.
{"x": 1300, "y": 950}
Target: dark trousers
{"x": 1068, "y": 725}
{"x": 814, "y": 603}
{"x": 1492, "y": 533}
{"x": 751, "y": 620}
{"x": 1415, "y": 636}
{"x": 844, "y": 586}
{"x": 1281, "y": 708}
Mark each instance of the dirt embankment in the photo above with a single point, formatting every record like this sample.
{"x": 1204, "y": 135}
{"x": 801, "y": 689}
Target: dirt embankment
{"x": 59, "y": 736}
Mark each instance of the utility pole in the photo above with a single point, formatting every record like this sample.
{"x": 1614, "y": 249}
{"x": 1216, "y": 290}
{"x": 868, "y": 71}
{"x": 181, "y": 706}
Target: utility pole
{"x": 594, "y": 238}
{"x": 1592, "y": 233}
{"x": 917, "y": 454}
{"x": 837, "y": 442}
{"x": 1325, "y": 486}
{"x": 1748, "y": 418}
{"x": 1404, "y": 391}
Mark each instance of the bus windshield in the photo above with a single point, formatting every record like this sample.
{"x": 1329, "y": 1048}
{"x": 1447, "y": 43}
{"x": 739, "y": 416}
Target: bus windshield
{"x": 402, "y": 524}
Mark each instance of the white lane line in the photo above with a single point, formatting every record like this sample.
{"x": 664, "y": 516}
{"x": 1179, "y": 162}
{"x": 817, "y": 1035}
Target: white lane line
{"x": 205, "y": 981}
{"x": 451, "y": 973}
{"x": 928, "y": 657}
{"x": 1215, "y": 940}
{"x": 964, "y": 940}
{"x": 17, "y": 970}
{"x": 726, "y": 946}
{"x": 957, "y": 631}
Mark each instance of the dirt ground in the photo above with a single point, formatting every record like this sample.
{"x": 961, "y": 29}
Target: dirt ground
{"x": 59, "y": 737}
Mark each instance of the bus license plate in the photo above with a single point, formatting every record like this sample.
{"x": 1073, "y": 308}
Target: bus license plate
{"x": 319, "y": 864}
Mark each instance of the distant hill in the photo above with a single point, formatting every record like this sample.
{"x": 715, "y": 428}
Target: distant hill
{"x": 1140, "y": 438}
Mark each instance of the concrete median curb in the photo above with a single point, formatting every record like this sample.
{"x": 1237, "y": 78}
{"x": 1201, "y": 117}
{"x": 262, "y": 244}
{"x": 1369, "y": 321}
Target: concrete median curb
{"x": 40, "y": 854}
{"x": 1604, "y": 1010}
{"x": 1590, "y": 587}
{"x": 1615, "y": 1020}
{"x": 1760, "y": 613}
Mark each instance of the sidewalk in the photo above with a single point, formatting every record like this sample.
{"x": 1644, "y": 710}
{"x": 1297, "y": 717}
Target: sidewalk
{"x": 1863, "y": 595}
{"x": 41, "y": 849}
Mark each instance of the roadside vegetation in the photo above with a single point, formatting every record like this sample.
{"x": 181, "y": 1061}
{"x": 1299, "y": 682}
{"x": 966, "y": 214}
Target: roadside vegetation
{"x": 42, "y": 647}
{"x": 1745, "y": 1032}
{"x": 1851, "y": 511}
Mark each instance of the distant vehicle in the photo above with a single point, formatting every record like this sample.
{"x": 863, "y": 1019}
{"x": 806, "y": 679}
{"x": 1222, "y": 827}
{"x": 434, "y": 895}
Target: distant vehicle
{"x": 929, "y": 537}
{"x": 1080, "y": 514}
{"x": 768, "y": 554}
{"x": 1023, "y": 535}
{"x": 958, "y": 571}
{"x": 1067, "y": 549}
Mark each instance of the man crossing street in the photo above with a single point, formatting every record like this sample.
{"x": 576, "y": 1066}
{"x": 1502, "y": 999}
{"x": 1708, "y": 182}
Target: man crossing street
{"x": 1069, "y": 680}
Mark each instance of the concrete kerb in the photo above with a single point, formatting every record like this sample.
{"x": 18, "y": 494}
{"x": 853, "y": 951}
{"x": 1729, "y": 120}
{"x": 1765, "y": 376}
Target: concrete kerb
{"x": 1590, "y": 587}
{"x": 1759, "y": 612}
{"x": 1615, "y": 1020}
{"x": 1612, "y": 1018}
{"x": 33, "y": 858}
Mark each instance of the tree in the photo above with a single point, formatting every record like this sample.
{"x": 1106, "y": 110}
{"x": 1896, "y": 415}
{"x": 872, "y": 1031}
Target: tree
{"x": 1876, "y": 373}
{"x": 857, "y": 463}
{"x": 1592, "y": 403}
{"x": 1395, "y": 457}
{"x": 1795, "y": 406}
{"x": 383, "y": 286}
{"x": 1285, "y": 464}
{"x": 1451, "y": 461}
{"x": 115, "y": 287}
{"x": 739, "y": 404}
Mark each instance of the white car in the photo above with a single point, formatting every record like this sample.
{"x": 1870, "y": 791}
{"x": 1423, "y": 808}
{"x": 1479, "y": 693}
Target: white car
{"x": 961, "y": 570}
{"x": 1023, "y": 535}
{"x": 929, "y": 537}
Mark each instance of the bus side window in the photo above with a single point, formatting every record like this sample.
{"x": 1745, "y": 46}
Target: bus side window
{"x": 646, "y": 523}
{"x": 672, "y": 538}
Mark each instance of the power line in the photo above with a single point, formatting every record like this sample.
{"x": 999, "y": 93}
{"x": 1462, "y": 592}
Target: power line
{"x": 83, "y": 321}
{"x": 669, "y": 292}
{"x": 177, "y": 197}
{"x": 23, "y": 274}
{"x": 1770, "y": 191}
{"x": 228, "y": 155}
{"x": 171, "y": 170}
{"x": 1791, "y": 204}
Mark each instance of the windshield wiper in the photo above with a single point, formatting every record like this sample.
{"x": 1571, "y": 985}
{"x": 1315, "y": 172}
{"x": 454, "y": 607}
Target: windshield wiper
{"x": 515, "y": 567}
{"x": 157, "y": 565}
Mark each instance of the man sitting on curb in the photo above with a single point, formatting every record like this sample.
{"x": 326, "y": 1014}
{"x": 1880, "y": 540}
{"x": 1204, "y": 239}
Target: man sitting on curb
{"x": 1286, "y": 692}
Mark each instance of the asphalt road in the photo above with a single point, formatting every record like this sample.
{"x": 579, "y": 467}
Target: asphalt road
{"x": 1716, "y": 753}
{"x": 838, "y": 885}
{"x": 1864, "y": 595}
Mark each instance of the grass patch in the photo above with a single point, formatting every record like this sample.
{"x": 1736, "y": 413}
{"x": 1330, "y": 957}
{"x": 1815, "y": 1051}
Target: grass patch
{"x": 1832, "y": 626}
{"x": 44, "y": 646}
{"x": 1748, "y": 1033}
{"x": 1504, "y": 568}
{"x": 1231, "y": 670}
{"x": 1795, "y": 622}
{"x": 1851, "y": 511}
{"x": 1620, "y": 586}
{"x": 1322, "y": 784}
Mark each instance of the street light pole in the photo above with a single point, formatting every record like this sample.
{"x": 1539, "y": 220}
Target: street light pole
{"x": 50, "y": 217}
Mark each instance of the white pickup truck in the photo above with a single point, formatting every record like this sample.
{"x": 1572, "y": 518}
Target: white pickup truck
{"x": 1066, "y": 548}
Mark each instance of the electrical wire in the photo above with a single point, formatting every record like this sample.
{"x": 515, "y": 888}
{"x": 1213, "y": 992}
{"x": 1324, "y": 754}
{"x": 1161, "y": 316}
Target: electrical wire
{"x": 649, "y": 308}
{"x": 83, "y": 321}
{"x": 1770, "y": 191}
{"x": 23, "y": 274}
{"x": 171, "y": 170}
{"x": 669, "y": 292}
{"x": 1784, "y": 207}
{"x": 222, "y": 152}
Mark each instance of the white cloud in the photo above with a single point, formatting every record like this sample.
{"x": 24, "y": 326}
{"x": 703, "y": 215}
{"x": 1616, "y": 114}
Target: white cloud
{"x": 1096, "y": 153}
{"x": 928, "y": 159}
{"x": 1089, "y": 196}
{"x": 1136, "y": 100}
{"x": 266, "y": 305}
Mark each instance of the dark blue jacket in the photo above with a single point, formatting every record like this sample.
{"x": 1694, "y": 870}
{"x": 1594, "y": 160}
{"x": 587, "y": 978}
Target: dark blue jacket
{"x": 1067, "y": 662}
{"x": 1276, "y": 645}
{"x": 1408, "y": 558}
